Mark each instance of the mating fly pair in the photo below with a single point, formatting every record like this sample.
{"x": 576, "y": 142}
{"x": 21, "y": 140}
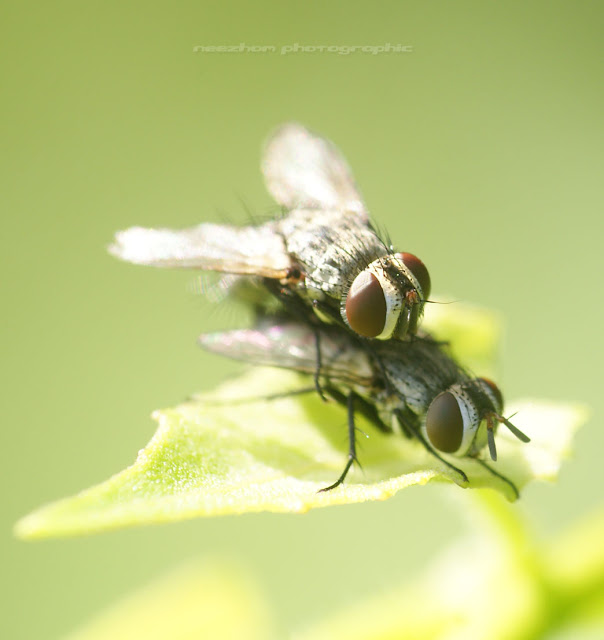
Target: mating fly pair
{"x": 351, "y": 304}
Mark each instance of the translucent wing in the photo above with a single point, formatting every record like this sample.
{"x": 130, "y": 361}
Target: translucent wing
{"x": 292, "y": 345}
{"x": 303, "y": 170}
{"x": 240, "y": 250}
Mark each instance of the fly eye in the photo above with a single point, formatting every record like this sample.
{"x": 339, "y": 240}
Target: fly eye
{"x": 366, "y": 305}
{"x": 419, "y": 271}
{"x": 495, "y": 390}
{"x": 444, "y": 423}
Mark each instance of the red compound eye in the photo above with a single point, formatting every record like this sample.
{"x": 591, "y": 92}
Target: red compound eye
{"x": 496, "y": 392}
{"x": 444, "y": 423}
{"x": 366, "y": 305}
{"x": 418, "y": 269}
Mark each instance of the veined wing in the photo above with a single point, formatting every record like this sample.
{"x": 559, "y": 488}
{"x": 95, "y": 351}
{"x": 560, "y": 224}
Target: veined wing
{"x": 212, "y": 247}
{"x": 304, "y": 170}
{"x": 291, "y": 345}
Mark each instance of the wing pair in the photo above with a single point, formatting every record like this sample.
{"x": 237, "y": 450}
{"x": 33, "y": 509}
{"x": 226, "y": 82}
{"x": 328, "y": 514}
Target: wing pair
{"x": 325, "y": 247}
{"x": 302, "y": 171}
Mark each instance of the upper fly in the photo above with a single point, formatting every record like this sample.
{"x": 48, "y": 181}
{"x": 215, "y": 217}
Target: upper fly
{"x": 324, "y": 248}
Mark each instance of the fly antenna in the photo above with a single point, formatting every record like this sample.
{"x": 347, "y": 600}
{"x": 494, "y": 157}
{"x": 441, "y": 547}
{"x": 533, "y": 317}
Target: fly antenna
{"x": 491, "y": 437}
{"x": 515, "y": 430}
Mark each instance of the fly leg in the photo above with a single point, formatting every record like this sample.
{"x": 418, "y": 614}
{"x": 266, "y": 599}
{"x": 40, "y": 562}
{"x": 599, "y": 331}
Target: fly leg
{"x": 499, "y": 475}
{"x": 406, "y": 423}
{"x": 366, "y": 409}
{"x": 418, "y": 434}
{"x": 352, "y": 446}
{"x": 317, "y": 373}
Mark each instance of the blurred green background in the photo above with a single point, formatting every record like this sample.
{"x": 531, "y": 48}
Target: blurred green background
{"x": 480, "y": 150}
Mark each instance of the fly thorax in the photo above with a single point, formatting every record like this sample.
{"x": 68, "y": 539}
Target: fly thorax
{"x": 410, "y": 391}
{"x": 390, "y": 401}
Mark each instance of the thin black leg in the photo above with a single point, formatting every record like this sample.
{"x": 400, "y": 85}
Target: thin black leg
{"x": 406, "y": 424}
{"x": 317, "y": 373}
{"x": 499, "y": 475}
{"x": 352, "y": 447}
{"x": 420, "y": 437}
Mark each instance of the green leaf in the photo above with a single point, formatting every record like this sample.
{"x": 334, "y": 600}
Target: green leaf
{"x": 234, "y": 451}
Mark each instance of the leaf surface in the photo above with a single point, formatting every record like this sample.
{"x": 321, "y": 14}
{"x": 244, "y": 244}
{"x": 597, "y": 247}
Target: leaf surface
{"x": 233, "y": 451}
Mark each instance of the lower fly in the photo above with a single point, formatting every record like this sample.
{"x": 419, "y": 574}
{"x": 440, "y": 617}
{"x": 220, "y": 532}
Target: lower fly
{"x": 413, "y": 386}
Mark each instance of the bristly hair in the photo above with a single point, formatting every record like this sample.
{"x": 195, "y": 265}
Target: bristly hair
{"x": 383, "y": 235}
{"x": 255, "y": 219}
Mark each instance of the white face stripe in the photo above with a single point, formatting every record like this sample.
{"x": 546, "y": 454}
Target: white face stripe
{"x": 471, "y": 419}
{"x": 395, "y": 302}
{"x": 393, "y": 297}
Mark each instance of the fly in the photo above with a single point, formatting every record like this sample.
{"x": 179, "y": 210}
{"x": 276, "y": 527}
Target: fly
{"x": 417, "y": 389}
{"x": 324, "y": 248}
